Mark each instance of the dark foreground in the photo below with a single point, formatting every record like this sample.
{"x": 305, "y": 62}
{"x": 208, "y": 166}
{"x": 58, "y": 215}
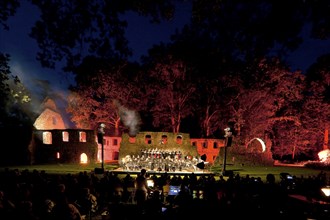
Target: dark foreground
{"x": 38, "y": 195}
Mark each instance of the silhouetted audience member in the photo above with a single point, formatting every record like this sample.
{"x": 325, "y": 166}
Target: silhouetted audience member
{"x": 46, "y": 210}
{"x": 141, "y": 189}
{"x": 25, "y": 211}
{"x": 87, "y": 203}
{"x": 64, "y": 210}
{"x": 7, "y": 207}
{"x": 30, "y": 195}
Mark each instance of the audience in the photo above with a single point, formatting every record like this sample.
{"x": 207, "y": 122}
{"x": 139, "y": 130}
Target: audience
{"x": 38, "y": 196}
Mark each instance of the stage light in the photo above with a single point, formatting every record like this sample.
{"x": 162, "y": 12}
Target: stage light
{"x": 326, "y": 191}
{"x": 150, "y": 183}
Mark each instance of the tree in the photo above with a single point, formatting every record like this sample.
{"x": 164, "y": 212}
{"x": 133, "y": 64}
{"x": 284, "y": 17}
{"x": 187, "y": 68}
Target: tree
{"x": 211, "y": 107}
{"x": 107, "y": 96}
{"x": 71, "y": 30}
{"x": 173, "y": 93}
{"x": 4, "y": 77}
{"x": 316, "y": 106}
{"x": 15, "y": 98}
{"x": 286, "y": 89}
{"x": 7, "y": 8}
{"x": 263, "y": 100}
{"x": 16, "y": 116}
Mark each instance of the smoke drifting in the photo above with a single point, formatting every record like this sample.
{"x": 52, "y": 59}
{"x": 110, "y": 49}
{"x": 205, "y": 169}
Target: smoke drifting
{"x": 130, "y": 118}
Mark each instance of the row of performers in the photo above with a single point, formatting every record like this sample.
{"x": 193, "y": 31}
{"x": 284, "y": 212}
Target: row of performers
{"x": 156, "y": 153}
{"x": 160, "y": 164}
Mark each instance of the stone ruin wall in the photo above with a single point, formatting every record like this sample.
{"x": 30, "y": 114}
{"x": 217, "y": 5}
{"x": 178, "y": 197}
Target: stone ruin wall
{"x": 155, "y": 140}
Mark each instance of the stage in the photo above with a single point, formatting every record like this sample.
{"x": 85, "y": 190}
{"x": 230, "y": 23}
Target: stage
{"x": 198, "y": 172}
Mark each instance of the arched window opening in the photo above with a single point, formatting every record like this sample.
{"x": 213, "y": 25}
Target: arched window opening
{"x": 83, "y": 158}
{"x": 148, "y": 139}
{"x": 131, "y": 139}
{"x": 164, "y": 139}
{"x": 179, "y": 139}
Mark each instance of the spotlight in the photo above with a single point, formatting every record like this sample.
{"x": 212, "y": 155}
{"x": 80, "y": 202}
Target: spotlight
{"x": 150, "y": 183}
{"x": 326, "y": 191}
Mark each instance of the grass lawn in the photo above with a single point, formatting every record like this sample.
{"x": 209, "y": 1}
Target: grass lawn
{"x": 262, "y": 171}
{"x": 254, "y": 171}
{"x": 63, "y": 168}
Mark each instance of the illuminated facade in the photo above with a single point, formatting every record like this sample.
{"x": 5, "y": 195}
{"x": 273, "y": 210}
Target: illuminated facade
{"x": 64, "y": 146}
{"x": 53, "y": 142}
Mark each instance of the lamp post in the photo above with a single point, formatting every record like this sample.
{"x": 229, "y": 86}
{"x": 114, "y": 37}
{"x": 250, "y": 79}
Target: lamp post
{"x": 100, "y": 133}
{"x": 228, "y": 140}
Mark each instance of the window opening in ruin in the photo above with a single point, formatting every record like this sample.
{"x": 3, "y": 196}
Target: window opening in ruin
{"x": 82, "y": 136}
{"x": 179, "y": 139}
{"x": 148, "y": 139}
{"x": 164, "y": 139}
{"x": 131, "y": 140}
{"x": 47, "y": 137}
{"x": 65, "y": 136}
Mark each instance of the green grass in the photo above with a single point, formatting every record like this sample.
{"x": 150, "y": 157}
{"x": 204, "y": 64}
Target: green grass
{"x": 260, "y": 171}
{"x": 63, "y": 168}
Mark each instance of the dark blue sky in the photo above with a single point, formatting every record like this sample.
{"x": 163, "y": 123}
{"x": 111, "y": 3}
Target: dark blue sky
{"x": 141, "y": 36}
{"x": 140, "y": 33}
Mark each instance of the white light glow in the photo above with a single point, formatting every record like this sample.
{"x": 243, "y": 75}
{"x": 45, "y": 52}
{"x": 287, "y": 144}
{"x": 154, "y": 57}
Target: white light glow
{"x": 324, "y": 155}
{"x": 326, "y": 191}
{"x": 263, "y": 145}
{"x": 83, "y": 158}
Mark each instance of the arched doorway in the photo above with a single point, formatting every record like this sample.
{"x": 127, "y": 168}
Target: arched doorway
{"x": 83, "y": 158}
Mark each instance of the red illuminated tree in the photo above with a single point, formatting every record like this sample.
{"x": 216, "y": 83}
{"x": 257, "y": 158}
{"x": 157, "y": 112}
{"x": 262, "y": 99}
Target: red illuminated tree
{"x": 211, "y": 108}
{"x": 266, "y": 98}
{"x": 105, "y": 98}
{"x": 172, "y": 94}
{"x": 316, "y": 108}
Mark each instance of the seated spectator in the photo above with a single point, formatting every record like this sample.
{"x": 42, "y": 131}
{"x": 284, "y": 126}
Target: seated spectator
{"x": 184, "y": 197}
{"x": 7, "y": 207}
{"x": 46, "y": 211}
{"x": 87, "y": 203}
{"x": 64, "y": 210}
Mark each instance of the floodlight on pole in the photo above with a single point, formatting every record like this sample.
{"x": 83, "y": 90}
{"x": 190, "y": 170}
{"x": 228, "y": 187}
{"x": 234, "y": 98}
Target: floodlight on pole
{"x": 100, "y": 134}
{"x": 228, "y": 140}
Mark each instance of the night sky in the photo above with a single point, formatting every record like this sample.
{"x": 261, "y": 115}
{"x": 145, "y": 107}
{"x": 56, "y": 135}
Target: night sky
{"x": 140, "y": 33}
